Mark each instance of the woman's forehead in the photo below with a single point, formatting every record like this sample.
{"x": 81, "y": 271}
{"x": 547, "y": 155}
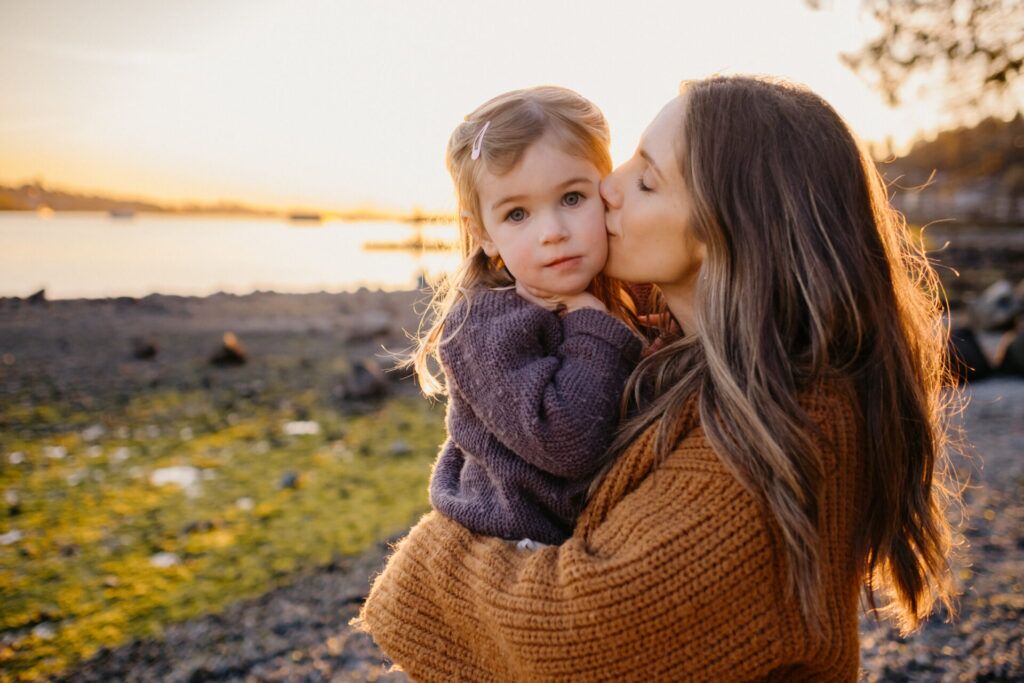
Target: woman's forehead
{"x": 664, "y": 130}
{"x": 661, "y": 138}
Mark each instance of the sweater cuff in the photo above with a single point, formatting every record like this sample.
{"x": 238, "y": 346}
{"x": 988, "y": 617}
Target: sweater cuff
{"x": 605, "y": 327}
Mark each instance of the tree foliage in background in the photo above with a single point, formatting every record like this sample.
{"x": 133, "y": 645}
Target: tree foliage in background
{"x": 991, "y": 151}
{"x": 972, "y": 48}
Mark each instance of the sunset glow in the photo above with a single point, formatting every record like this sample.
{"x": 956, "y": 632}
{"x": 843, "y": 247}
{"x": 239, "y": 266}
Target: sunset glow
{"x": 339, "y": 104}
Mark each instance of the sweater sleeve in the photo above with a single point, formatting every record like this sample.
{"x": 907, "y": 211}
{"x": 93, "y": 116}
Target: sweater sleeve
{"x": 547, "y": 387}
{"x": 679, "y": 581}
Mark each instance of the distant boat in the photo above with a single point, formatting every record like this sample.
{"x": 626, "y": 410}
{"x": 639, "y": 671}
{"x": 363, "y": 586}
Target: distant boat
{"x": 121, "y": 213}
{"x": 312, "y": 217}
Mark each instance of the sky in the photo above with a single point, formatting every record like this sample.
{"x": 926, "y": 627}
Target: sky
{"x": 333, "y": 104}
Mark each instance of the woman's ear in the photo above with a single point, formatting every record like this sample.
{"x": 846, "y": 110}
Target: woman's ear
{"x": 479, "y": 234}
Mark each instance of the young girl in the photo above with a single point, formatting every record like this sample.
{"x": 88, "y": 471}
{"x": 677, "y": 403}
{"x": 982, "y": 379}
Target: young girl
{"x": 534, "y": 360}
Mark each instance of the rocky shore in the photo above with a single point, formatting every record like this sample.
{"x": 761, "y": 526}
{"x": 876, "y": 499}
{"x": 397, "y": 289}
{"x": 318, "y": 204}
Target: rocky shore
{"x": 985, "y": 642}
{"x": 93, "y": 351}
{"x": 300, "y": 633}
{"x": 96, "y": 355}
{"x": 296, "y": 633}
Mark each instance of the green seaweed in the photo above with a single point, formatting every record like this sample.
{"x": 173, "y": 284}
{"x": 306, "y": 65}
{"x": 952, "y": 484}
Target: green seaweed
{"x": 82, "y": 575}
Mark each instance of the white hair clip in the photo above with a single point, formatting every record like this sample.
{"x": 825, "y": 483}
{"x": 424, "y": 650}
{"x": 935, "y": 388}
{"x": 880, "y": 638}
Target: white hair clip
{"x": 478, "y": 142}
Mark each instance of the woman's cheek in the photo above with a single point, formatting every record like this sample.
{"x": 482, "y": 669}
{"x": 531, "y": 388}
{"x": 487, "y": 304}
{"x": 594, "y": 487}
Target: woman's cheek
{"x": 614, "y": 264}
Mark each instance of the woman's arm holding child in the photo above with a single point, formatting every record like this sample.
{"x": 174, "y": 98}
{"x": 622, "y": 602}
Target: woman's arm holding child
{"x": 679, "y": 582}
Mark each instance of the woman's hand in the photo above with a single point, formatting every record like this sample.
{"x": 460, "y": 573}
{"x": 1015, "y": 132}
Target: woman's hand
{"x": 560, "y": 303}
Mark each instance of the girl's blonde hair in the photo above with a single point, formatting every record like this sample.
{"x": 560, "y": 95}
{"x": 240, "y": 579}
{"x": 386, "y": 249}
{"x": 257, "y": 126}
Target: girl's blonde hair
{"x": 515, "y": 120}
{"x": 810, "y": 275}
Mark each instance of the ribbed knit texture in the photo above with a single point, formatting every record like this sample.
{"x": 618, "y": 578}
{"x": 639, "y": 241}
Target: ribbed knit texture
{"x": 673, "y": 573}
{"x": 533, "y": 403}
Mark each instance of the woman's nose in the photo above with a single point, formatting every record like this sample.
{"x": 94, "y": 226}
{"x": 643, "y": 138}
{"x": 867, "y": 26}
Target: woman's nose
{"x": 609, "y": 189}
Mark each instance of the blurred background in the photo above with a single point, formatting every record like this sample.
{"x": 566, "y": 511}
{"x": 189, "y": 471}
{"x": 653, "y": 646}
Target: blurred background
{"x": 219, "y": 223}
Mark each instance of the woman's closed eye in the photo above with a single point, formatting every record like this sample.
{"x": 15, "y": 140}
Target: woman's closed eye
{"x": 641, "y": 185}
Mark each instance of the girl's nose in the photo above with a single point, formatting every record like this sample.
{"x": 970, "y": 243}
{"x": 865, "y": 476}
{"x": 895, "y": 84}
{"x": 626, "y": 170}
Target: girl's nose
{"x": 609, "y": 189}
{"x": 553, "y": 232}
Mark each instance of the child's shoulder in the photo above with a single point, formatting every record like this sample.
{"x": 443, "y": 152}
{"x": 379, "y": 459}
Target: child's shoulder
{"x": 484, "y": 302}
{"x": 483, "y": 315}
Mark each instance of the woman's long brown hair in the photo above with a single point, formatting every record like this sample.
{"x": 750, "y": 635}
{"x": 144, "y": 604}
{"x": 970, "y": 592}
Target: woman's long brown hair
{"x": 809, "y": 275}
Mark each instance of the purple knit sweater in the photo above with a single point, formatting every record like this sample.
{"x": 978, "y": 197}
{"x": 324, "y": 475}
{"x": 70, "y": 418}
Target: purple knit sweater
{"x": 533, "y": 403}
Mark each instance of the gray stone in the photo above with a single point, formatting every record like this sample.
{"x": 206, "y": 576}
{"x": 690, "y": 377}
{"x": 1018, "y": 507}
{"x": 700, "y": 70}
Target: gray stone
{"x": 164, "y": 560}
{"x": 370, "y": 325}
{"x": 144, "y": 349}
{"x": 366, "y": 381}
{"x": 1011, "y": 352}
{"x": 967, "y": 359}
{"x": 996, "y": 308}
{"x": 289, "y": 480}
{"x": 230, "y": 353}
{"x": 400, "y": 447}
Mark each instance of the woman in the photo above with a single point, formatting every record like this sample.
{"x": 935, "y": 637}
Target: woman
{"x": 779, "y": 457}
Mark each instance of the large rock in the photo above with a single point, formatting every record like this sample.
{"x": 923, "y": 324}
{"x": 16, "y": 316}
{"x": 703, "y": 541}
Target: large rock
{"x": 230, "y": 353}
{"x": 1011, "y": 352}
{"x": 370, "y": 325}
{"x": 396, "y": 367}
{"x": 996, "y": 308}
{"x": 144, "y": 349}
{"x": 967, "y": 359}
{"x": 366, "y": 381}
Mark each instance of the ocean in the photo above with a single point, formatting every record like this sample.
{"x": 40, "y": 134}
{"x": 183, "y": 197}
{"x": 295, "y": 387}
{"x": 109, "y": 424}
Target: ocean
{"x": 93, "y": 255}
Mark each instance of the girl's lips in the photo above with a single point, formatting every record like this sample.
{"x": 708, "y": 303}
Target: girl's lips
{"x": 567, "y": 262}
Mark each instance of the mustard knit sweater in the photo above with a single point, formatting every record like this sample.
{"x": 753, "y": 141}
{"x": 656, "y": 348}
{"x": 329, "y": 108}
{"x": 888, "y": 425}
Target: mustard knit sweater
{"x": 674, "y": 573}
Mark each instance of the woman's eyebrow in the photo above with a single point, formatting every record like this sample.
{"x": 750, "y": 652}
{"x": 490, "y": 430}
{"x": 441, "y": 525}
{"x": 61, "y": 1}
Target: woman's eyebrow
{"x": 650, "y": 162}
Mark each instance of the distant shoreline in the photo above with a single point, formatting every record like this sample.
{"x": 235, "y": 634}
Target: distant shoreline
{"x": 35, "y": 197}
{"x": 39, "y": 297}
{"x": 325, "y": 217}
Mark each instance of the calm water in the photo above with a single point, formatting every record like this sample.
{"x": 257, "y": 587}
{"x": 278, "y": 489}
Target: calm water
{"x": 92, "y": 255}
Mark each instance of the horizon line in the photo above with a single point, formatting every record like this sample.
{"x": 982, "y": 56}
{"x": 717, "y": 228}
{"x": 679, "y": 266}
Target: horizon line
{"x": 225, "y": 205}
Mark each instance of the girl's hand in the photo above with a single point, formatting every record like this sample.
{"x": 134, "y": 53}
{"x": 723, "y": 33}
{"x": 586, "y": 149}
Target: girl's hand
{"x": 536, "y": 297}
{"x": 560, "y": 303}
{"x": 583, "y": 300}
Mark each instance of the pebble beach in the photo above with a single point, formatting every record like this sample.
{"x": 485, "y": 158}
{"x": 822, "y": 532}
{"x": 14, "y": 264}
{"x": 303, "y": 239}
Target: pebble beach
{"x": 92, "y": 355}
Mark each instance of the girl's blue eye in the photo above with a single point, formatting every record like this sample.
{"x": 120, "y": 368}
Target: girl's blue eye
{"x": 516, "y": 215}
{"x": 572, "y": 199}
